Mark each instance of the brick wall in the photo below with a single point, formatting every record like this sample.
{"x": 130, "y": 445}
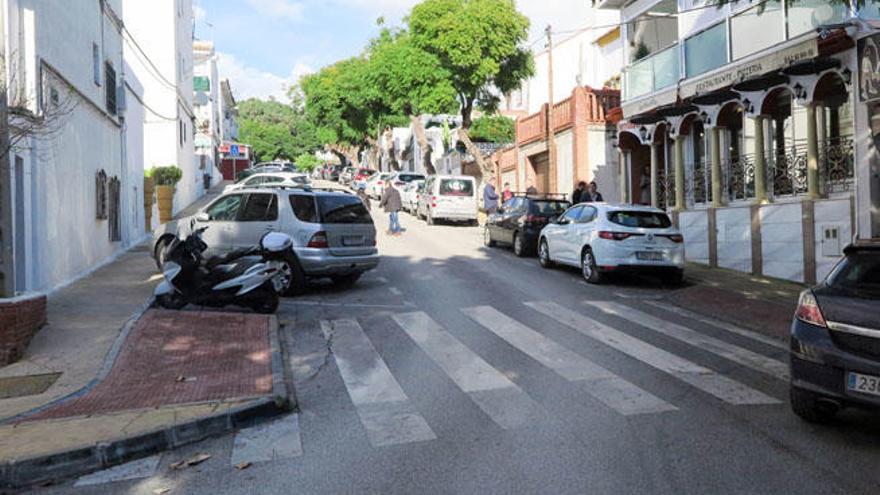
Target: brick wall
{"x": 20, "y": 319}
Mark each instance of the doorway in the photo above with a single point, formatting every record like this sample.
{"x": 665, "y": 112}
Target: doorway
{"x": 541, "y": 169}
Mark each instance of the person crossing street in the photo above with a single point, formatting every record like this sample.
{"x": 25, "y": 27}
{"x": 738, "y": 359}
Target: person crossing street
{"x": 392, "y": 205}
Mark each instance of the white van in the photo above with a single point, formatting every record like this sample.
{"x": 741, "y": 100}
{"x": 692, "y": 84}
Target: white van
{"x": 449, "y": 197}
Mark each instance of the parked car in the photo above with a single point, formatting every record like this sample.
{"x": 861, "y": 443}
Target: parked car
{"x": 333, "y": 233}
{"x": 835, "y": 338}
{"x": 376, "y": 184}
{"x": 400, "y": 179}
{"x": 275, "y": 178}
{"x": 409, "y": 195}
{"x": 360, "y": 177}
{"x": 333, "y": 172}
{"x": 449, "y": 197}
{"x": 600, "y": 239}
{"x": 347, "y": 175}
{"x": 518, "y": 222}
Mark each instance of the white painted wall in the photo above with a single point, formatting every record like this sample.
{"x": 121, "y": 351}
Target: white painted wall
{"x": 602, "y": 159}
{"x": 734, "y": 226}
{"x": 565, "y": 162}
{"x": 694, "y": 226}
{"x": 782, "y": 241}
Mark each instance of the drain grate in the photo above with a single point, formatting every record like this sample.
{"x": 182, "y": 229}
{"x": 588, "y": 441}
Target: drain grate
{"x": 22, "y": 386}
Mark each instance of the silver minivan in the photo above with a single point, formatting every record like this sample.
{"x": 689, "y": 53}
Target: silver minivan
{"x": 333, "y": 233}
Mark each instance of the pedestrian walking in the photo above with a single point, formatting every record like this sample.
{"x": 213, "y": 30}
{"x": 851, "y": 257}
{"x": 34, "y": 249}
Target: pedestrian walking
{"x": 490, "y": 197}
{"x": 506, "y": 194}
{"x": 579, "y": 193}
{"x": 592, "y": 195}
{"x": 391, "y": 203}
{"x": 362, "y": 193}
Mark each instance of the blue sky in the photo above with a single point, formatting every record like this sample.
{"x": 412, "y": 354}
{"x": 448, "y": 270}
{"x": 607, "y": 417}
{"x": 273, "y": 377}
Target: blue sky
{"x": 265, "y": 45}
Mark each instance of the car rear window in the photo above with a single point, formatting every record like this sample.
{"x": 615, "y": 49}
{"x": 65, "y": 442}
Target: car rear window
{"x": 456, "y": 187}
{"x": 409, "y": 177}
{"x": 547, "y": 208}
{"x": 640, "y": 219}
{"x": 304, "y": 208}
{"x": 858, "y": 272}
{"x": 343, "y": 209}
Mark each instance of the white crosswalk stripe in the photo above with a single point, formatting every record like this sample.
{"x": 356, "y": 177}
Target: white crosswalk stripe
{"x": 501, "y": 399}
{"x": 723, "y": 325}
{"x": 274, "y": 441}
{"x": 384, "y": 409}
{"x": 745, "y": 357}
{"x": 612, "y": 390}
{"x": 691, "y": 373}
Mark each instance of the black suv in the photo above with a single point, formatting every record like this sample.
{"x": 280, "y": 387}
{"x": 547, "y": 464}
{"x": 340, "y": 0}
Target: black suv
{"x": 520, "y": 219}
{"x": 835, "y": 338}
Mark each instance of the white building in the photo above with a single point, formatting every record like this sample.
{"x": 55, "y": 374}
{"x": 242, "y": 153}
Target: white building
{"x": 228, "y": 113}
{"x": 75, "y": 184}
{"x": 207, "y": 100}
{"x": 162, "y": 59}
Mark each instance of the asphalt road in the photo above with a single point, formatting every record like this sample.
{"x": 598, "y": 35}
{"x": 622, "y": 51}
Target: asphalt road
{"x": 455, "y": 368}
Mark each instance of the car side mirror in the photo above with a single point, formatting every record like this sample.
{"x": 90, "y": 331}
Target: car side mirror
{"x": 202, "y": 217}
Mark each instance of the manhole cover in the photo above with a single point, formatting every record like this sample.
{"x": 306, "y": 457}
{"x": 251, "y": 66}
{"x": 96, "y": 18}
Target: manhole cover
{"x": 21, "y": 386}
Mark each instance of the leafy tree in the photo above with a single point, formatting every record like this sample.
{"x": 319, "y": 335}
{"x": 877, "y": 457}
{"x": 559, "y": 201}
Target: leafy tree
{"x": 307, "y": 162}
{"x": 493, "y": 129}
{"x": 276, "y": 130}
{"x": 479, "y": 43}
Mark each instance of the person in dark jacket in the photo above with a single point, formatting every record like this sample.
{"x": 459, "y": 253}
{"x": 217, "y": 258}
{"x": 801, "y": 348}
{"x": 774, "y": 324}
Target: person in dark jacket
{"x": 490, "y": 197}
{"x": 592, "y": 195}
{"x": 391, "y": 203}
{"x": 579, "y": 193}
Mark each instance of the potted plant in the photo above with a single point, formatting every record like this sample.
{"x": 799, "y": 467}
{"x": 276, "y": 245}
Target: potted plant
{"x": 166, "y": 178}
{"x": 149, "y": 199}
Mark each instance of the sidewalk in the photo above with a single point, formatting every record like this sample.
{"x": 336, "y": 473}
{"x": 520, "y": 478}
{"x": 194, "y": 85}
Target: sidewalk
{"x": 121, "y": 382}
{"x": 763, "y": 304}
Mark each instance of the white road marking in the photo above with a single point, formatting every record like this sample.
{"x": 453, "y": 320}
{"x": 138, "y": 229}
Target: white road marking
{"x": 691, "y": 373}
{"x": 501, "y": 399}
{"x": 384, "y": 409}
{"x": 723, "y": 325}
{"x": 612, "y": 390}
{"x": 745, "y": 357}
{"x": 395, "y": 291}
{"x": 141, "y": 468}
{"x": 641, "y": 297}
{"x": 405, "y": 305}
{"x": 273, "y": 441}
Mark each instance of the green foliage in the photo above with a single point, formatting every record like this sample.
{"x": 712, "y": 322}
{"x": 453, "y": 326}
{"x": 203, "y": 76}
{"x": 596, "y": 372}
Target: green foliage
{"x": 479, "y": 44}
{"x": 307, "y": 162}
{"x": 166, "y": 176}
{"x": 276, "y": 130}
{"x": 493, "y": 129}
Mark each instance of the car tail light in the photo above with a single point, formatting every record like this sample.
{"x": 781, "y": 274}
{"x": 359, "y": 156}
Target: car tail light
{"x": 808, "y": 310}
{"x": 676, "y": 238}
{"x": 613, "y": 236}
{"x": 379, "y": 182}
{"x": 318, "y": 240}
{"x": 398, "y": 183}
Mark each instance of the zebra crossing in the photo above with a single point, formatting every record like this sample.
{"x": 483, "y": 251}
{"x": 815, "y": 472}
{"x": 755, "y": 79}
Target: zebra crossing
{"x": 388, "y": 416}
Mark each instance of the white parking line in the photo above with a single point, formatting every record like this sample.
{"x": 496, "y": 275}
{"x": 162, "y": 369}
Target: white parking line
{"x": 723, "y": 325}
{"x": 501, "y": 399}
{"x": 724, "y": 388}
{"x": 384, "y": 409}
{"x": 610, "y": 389}
{"x": 273, "y": 441}
{"x": 745, "y": 357}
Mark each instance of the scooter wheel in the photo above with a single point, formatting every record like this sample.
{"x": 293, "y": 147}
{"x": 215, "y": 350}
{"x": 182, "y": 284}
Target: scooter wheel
{"x": 268, "y": 305}
{"x": 171, "y": 301}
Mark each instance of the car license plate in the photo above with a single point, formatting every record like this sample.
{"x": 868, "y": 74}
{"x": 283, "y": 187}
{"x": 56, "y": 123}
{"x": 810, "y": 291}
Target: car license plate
{"x": 649, "y": 256}
{"x": 353, "y": 240}
{"x": 865, "y": 384}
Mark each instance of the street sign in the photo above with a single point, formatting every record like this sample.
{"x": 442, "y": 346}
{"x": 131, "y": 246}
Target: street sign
{"x": 233, "y": 150}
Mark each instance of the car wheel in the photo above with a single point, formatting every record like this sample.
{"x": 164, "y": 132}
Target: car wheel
{"x": 589, "y": 269}
{"x": 346, "y": 280}
{"x": 296, "y": 285}
{"x": 487, "y": 238}
{"x": 519, "y": 247}
{"x": 808, "y": 407}
{"x": 544, "y": 254}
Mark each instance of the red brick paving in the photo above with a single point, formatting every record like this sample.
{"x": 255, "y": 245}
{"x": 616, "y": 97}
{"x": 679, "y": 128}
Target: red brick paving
{"x": 223, "y": 355}
{"x": 768, "y": 317}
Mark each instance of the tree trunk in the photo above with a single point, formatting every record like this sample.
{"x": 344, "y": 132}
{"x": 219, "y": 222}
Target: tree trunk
{"x": 373, "y": 154}
{"x": 345, "y": 153}
{"x": 423, "y": 143}
{"x": 7, "y": 274}
{"x": 486, "y": 168}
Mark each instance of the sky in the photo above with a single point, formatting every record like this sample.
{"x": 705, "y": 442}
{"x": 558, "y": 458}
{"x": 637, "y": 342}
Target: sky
{"x": 264, "y": 46}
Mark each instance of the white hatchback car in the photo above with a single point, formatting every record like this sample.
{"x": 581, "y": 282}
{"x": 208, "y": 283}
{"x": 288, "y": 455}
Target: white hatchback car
{"x": 409, "y": 195}
{"x": 599, "y": 239}
{"x": 376, "y": 184}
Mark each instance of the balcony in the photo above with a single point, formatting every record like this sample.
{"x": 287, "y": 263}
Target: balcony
{"x": 652, "y": 73}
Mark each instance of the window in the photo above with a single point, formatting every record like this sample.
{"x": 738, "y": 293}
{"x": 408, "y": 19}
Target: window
{"x": 260, "y": 208}
{"x": 572, "y": 214}
{"x": 115, "y": 219}
{"x": 548, "y": 208}
{"x": 96, "y": 64}
{"x": 101, "y": 209}
{"x": 225, "y": 209}
{"x": 343, "y": 209}
{"x": 588, "y": 214}
{"x": 706, "y": 51}
{"x": 807, "y": 15}
{"x": 110, "y": 87}
{"x": 640, "y": 219}
{"x": 756, "y": 28}
{"x": 456, "y": 187}
{"x": 858, "y": 272}
{"x": 304, "y": 208}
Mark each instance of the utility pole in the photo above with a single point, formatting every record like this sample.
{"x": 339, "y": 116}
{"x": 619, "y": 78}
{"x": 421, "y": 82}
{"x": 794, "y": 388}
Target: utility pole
{"x": 551, "y": 134}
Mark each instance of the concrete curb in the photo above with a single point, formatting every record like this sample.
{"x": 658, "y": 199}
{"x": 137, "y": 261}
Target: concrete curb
{"x": 22, "y": 473}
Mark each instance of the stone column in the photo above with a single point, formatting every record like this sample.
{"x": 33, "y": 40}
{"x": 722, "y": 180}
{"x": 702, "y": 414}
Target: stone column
{"x": 624, "y": 163}
{"x": 717, "y": 177}
{"x": 655, "y": 174}
{"x": 760, "y": 162}
{"x": 680, "y": 190}
{"x": 812, "y": 153}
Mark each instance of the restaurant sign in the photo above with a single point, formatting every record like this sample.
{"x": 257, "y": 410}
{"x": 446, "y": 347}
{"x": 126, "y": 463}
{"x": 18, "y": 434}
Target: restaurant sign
{"x": 753, "y": 68}
{"x": 631, "y": 108}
